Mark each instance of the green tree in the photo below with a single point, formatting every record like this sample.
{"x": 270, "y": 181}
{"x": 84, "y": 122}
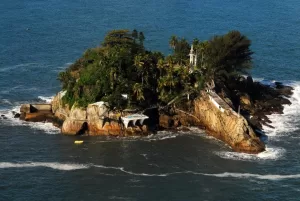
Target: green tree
{"x": 173, "y": 42}
{"x": 138, "y": 91}
{"x": 134, "y": 34}
{"x": 140, "y": 66}
{"x": 141, "y": 38}
{"x": 118, "y": 37}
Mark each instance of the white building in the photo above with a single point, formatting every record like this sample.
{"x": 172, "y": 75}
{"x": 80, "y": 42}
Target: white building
{"x": 193, "y": 59}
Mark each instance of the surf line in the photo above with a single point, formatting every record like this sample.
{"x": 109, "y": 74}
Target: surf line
{"x": 74, "y": 166}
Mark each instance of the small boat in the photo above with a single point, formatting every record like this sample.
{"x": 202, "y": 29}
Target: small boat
{"x": 78, "y": 142}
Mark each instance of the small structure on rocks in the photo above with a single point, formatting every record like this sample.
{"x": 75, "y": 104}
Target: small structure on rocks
{"x": 134, "y": 119}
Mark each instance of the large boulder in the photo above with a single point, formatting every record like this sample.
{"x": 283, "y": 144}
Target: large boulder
{"x": 72, "y": 127}
{"x": 59, "y": 109}
{"x": 75, "y": 121}
{"x": 97, "y": 111}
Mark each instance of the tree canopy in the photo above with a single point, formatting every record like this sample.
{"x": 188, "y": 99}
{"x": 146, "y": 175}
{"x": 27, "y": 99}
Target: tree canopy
{"x": 122, "y": 65}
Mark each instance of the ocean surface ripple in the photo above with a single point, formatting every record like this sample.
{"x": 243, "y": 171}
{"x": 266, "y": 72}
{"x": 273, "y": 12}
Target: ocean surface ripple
{"x": 40, "y": 38}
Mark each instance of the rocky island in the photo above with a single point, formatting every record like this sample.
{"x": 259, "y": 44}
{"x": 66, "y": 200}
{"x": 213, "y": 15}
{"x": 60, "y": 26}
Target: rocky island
{"x": 122, "y": 89}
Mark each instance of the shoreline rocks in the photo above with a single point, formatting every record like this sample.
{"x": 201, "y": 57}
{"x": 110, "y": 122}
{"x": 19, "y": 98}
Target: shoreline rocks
{"x": 254, "y": 100}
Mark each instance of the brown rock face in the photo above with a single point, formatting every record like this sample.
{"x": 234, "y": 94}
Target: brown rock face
{"x": 60, "y": 110}
{"x": 74, "y": 122}
{"x": 38, "y": 116}
{"x": 95, "y": 120}
{"x": 228, "y": 127}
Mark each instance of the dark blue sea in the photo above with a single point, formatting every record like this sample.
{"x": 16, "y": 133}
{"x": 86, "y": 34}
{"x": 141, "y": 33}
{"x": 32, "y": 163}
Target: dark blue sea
{"x": 40, "y": 38}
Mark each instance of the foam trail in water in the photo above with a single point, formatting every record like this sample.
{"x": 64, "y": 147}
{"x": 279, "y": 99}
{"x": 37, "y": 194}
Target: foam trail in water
{"x": 221, "y": 175}
{"x": 18, "y": 66}
{"x": 255, "y": 176}
{"x": 56, "y": 166}
{"x": 72, "y": 166}
{"x": 134, "y": 173}
{"x": 161, "y": 135}
{"x": 271, "y": 153}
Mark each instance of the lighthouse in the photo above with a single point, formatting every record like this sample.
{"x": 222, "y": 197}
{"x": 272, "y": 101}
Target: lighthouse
{"x": 193, "y": 59}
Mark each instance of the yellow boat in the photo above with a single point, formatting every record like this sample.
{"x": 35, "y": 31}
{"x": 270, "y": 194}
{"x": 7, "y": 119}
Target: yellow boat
{"x": 78, "y": 142}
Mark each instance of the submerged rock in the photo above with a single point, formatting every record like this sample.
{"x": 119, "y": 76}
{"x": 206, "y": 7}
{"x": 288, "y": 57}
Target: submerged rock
{"x": 17, "y": 115}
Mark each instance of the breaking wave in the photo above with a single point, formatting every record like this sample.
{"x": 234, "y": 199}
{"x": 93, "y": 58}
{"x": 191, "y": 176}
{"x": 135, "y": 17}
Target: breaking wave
{"x": 269, "y": 154}
{"x": 282, "y": 123}
{"x": 40, "y": 126}
{"x": 56, "y": 166}
{"x": 46, "y": 99}
{"x": 73, "y": 166}
{"x": 255, "y": 176}
{"x": 286, "y": 122}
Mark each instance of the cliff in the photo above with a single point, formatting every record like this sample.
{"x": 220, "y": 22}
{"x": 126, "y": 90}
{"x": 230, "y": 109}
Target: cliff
{"x": 219, "y": 120}
{"x": 227, "y": 126}
{"x": 95, "y": 119}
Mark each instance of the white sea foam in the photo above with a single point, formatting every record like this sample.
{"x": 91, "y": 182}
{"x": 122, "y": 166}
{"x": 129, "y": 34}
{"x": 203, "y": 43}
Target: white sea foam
{"x": 221, "y": 175}
{"x": 257, "y": 79}
{"x": 161, "y": 135}
{"x": 74, "y": 166}
{"x": 45, "y": 127}
{"x": 282, "y": 123}
{"x": 254, "y": 176}
{"x": 55, "y": 165}
{"x": 271, "y": 153}
{"x": 46, "y": 99}
{"x": 286, "y": 122}
{"x": 132, "y": 173}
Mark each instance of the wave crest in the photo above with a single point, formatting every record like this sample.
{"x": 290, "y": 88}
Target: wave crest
{"x": 55, "y": 165}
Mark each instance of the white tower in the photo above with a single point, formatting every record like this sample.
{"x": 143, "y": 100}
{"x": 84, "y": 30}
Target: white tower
{"x": 193, "y": 59}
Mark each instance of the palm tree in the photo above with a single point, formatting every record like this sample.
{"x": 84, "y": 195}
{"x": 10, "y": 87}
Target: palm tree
{"x": 138, "y": 91}
{"x": 201, "y": 48}
{"x": 134, "y": 34}
{"x": 141, "y": 38}
{"x": 139, "y": 64}
{"x": 196, "y": 42}
{"x": 160, "y": 66}
{"x": 170, "y": 71}
{"x": 173, "y": 42}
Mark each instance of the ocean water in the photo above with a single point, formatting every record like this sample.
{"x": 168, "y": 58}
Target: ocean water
{"x": 40, "y": 38}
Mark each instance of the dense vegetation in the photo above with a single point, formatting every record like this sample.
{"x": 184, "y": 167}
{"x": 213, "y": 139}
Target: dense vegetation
{"x": 122, "y": 65}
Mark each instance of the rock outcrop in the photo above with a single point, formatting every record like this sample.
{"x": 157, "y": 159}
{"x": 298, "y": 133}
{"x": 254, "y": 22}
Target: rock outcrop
{"x": 256, "y": 100}
{"x": 220, "y": 121}
{"x": 38, "y": 113}
{"x": 228, "y": 126}
{"x": 209, "y": 111}
{"x": 93, "y": 120}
